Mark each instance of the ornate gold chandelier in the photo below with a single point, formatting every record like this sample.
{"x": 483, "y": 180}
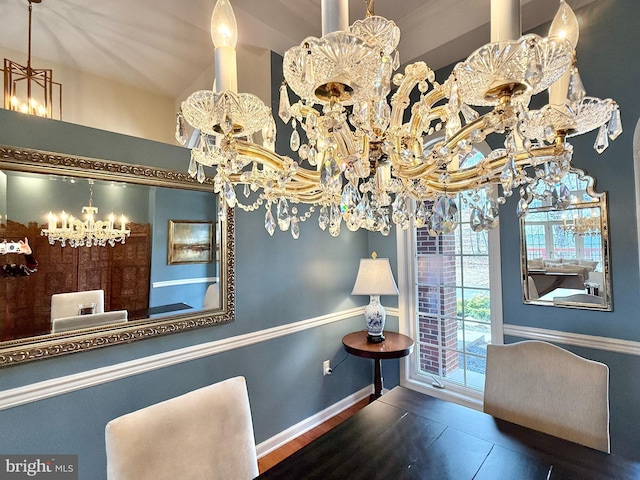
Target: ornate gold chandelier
{"x": 370, "y": 162}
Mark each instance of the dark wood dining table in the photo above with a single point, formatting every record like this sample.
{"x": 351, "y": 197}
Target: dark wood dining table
{"x": 408, "y": 435}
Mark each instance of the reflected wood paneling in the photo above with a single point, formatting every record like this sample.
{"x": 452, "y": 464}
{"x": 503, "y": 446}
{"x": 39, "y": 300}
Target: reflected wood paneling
{"x": 130, "y": 269}
{"x": 122, "y": 271}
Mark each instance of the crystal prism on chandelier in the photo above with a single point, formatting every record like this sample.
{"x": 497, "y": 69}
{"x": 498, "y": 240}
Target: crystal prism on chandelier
{"x": 370, "y": 158}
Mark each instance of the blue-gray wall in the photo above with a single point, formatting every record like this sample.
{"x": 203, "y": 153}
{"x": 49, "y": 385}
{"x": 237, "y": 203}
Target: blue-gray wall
{"x": 609, "y": 67}
{"x": 174, "y": 204}
{"x": 31, "y": 197}
{"x": 278, "y": 281}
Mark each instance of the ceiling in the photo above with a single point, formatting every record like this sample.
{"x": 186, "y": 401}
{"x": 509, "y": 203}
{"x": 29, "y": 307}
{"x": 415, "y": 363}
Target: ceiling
{"x": 163, "y": 45}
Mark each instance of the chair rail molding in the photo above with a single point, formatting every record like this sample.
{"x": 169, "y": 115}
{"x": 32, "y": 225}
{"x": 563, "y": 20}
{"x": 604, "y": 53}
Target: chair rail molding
{"x": 616, "y": 345}
{"x": 22, "y": 395}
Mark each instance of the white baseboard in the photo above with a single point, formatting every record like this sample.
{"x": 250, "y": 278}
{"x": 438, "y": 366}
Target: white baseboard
{"x": 294, "y": 431}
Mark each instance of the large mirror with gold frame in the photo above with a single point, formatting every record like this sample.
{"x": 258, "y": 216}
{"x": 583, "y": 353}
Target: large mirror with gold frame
{"x": 83, "y": 297}
{"x": 565, "y": 245}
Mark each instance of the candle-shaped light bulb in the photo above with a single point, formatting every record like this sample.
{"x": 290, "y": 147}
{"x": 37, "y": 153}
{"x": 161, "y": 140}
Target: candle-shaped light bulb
{"x": 224, "y": 33}
{"x": 112, "y": 218}
{"x": 123, "y": 220}
{"x": 564, "y": 25}
{"x": 224, "y": 30}
{"x": 51, "y": 221}
{"x": 63, "y": 217}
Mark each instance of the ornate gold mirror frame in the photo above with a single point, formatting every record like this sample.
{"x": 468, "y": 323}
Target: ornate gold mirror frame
{"x": 22, "y": 350}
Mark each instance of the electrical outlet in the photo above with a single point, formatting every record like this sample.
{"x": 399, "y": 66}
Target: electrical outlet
{"x": 326, "y": 367}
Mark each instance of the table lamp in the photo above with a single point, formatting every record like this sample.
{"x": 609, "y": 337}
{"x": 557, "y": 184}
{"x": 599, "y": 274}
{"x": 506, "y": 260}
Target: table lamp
{"x": 375, "y": 278}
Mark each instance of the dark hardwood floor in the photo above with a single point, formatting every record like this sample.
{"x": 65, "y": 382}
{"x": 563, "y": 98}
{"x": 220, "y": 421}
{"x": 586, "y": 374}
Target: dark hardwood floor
{"x": 297, "y": 443}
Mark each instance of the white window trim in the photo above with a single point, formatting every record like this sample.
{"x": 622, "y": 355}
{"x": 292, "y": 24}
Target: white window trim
{"x": 409, "y": 375}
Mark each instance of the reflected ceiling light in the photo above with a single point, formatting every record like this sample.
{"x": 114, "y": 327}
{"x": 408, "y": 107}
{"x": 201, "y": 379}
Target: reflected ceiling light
{"x": 31, "y": 90}
{"x": 582, "y": 225}
{"x": 365, "y": 161}
{"x": 88, "y": 233}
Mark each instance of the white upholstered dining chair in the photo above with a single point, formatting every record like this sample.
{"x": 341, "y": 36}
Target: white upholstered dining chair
{"x": 203, "y": 434}
{"x": 76, "y": 310}
{"x": 533, "y": 290}
{"x": 212, "y": 297}
{"x": 549, "y": 389}
{"x": 68, "y": 304}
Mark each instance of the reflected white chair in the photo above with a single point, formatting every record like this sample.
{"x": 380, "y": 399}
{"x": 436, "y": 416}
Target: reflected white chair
{"x": 68, "y": 304}
{"x": 549, "y": 389}
{"x": 66, "y": 314}
{"x": 533, "y": 290}
{"x": 66, "y": 324}
{"x": 212, "y": 297}
{"x": 580, "y": 298}
{"x": 203, "y": 434}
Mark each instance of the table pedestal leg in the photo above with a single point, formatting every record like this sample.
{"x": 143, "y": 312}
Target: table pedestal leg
{"x": 377, "y": 380}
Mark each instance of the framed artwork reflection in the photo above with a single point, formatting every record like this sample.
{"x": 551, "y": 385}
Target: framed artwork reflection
{"x": 190, "y": 241}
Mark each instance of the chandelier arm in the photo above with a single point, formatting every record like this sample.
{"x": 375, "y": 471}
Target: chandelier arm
{"x": 430, "y": 173}
{"x": 414, "y": 74}
{"x": 417, "y": 120}
{"x": 482, "y": 124}
{"x": 345, "y": 140}
{"x": 271, "y": 159}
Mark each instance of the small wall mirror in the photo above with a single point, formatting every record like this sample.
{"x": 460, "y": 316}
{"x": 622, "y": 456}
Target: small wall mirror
{"x": 565, "y": 245}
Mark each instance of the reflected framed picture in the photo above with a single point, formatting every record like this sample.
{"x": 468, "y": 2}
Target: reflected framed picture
{"x": 190, "y": 241}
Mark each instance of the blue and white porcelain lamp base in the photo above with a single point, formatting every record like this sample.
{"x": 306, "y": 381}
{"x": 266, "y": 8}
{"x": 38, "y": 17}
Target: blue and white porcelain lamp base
{"x": 375, "y": 316}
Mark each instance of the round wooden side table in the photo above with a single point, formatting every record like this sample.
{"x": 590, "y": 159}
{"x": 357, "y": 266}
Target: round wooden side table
{"x": 395, "y": 345}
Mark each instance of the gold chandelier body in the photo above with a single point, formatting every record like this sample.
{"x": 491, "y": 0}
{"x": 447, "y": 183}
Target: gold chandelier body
{"x": 370, "y": 162}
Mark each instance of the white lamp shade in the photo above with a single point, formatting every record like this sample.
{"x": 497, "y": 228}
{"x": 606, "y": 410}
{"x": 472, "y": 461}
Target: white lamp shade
{"x": 375, "y": 278}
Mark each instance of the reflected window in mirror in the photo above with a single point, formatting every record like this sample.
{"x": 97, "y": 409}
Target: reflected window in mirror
{"x": 564, "y": 245}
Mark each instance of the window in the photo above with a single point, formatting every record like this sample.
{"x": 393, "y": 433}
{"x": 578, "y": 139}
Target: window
{"x": 454, "y": 311}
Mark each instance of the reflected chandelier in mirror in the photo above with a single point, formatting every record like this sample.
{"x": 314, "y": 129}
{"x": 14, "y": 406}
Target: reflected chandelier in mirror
{"x": 148, "y": 193}
{"x": 565, "y": 245}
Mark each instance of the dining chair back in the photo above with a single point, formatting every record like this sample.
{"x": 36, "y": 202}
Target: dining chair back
{"x": 549, "y": 389}
{"x": 203, "y": 434}
{"x": 533, "y": 290}
{"x": 212, "y": 296}
{"x": 69, "y": 304}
